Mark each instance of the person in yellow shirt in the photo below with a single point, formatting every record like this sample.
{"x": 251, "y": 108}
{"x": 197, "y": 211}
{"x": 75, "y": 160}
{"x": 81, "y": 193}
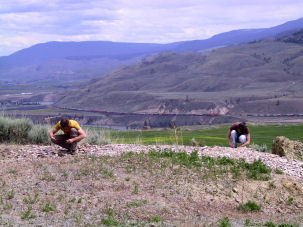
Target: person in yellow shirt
{"x": 72, "y": 134}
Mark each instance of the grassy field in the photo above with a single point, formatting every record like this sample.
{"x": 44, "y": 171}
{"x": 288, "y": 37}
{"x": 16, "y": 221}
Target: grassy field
{"x": 260, "y": 135}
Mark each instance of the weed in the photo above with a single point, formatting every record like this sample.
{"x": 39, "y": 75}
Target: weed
{"x": 136, "y": 203}
{"x": 60, "y": 197}
{"x": 127, "y": 179}
{"x": 109, "y": 221}
{"x": 250, "y": 207}
{"x": 236, "y": 173}
{"x": 278, "y": 171}
{"x": 48, "y": 207}
{"x": 10, "y": 194}
{"x": 136, "y": 188}
{"x": 247, "y": 222}
{"x": 67, "y": 209}
{"x": 156, "y": 219}
{"x": 290, "y": 201}
{"x": 225, "y": 161}
{"x": 257, "y": 170}
{"x": 30, "y": 200}
{"x": 269, "y": 224}
{"x": 7, "y": 206}
{"x": 27, "y": 214}
{"x": 128, "y": 170}
{"x": 12, "y": 171}
{"x": 271, "y": 185}
{"x": 106, "y": 173}
{"x": 224, "y": 222}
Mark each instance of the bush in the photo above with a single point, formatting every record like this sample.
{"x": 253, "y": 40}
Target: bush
{"x": 39, "y": 135}
{"x": 14, "y": 130}
{"x": 96, "y": 137}
{"x": 250, "y": 207}
{"x": 4, "y": 129}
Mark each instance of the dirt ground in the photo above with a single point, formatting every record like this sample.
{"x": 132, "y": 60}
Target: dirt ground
{"x": 95, "y": 189}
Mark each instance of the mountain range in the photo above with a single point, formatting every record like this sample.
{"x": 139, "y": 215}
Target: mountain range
{"x": 260, "y": 77}
{"x": 79, "y": 61}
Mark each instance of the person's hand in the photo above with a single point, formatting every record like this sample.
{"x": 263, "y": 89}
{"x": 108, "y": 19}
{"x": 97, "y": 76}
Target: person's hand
{"x": 231, "y": 144}
{"x": 69, "y": 141}
{"x": 53, "y": 139}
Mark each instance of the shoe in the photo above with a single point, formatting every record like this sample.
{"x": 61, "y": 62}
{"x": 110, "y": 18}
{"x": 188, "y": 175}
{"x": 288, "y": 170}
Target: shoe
{"x": 71, "y": 152}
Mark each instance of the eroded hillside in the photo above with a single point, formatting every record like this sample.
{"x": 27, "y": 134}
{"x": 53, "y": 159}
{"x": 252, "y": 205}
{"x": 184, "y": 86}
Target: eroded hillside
{"x": 261, "y": 77}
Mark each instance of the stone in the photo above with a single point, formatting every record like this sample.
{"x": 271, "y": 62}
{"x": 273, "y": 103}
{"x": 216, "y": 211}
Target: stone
{"x": 283, "y": 146}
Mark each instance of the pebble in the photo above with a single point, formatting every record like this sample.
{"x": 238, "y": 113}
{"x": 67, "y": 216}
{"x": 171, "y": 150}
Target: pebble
{"x": 288, "y": 166}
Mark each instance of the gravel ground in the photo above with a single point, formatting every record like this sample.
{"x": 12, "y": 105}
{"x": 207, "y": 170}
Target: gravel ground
{"x": 290, "y": 167}
{"x": 83, "y": 192}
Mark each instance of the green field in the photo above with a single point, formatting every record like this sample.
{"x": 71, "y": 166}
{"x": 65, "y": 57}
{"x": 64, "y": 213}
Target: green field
{"x": 260, "y": 135}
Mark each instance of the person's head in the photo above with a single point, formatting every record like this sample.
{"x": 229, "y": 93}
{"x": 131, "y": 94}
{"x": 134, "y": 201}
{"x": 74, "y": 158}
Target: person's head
{"x": 64, "y": 123}
{"x": 242, "y": 127}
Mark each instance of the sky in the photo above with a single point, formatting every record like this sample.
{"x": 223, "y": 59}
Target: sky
{"x": 24, "y": 23}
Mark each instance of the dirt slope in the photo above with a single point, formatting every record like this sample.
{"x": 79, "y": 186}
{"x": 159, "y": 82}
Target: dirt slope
{"x": 106, "y": 185}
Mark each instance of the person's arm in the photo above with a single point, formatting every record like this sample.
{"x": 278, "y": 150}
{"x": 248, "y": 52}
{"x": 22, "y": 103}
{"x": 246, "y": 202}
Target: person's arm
{"x": 81, "y": 136}
{"x": 52, "y": 133}
{"x": 228, "y": 138}
{"x": 247, "y": 140}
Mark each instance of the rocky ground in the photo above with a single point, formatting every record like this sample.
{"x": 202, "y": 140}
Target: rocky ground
{"x": 101, "y": 185}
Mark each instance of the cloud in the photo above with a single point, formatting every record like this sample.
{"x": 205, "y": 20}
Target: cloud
{"x": 24, "y": 23}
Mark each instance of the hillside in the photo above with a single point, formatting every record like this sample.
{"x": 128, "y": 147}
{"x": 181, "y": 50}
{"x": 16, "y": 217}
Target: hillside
{"x": 261, "y": 77}
{"x": 136, "y": 185}
{"x": 71, "y": 62}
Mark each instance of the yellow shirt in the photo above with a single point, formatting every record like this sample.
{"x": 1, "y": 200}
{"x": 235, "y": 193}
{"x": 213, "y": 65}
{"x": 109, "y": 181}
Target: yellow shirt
{"x": 72, "y": 124}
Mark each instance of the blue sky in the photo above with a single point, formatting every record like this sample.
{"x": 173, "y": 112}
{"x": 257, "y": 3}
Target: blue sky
{"x": 24, "y": 23}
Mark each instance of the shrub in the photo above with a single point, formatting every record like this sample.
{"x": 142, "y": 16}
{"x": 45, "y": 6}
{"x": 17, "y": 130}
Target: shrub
{"x": 15, "y": 130}
{"x": 250, "y": 207}
{"x": 39, "y": 135}
{"x": 4, "y": 129}
{"x": 224, "y": 222}
{"x": 257, "y": 170}
{"x": 96, "y": 137}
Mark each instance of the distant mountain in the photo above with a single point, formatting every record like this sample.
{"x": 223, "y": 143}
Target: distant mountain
{"x": 78, "y": 61}
{"x": 241, "y": 36}
{"x": 72, "y": 61}
{"x": 261, "y": 77}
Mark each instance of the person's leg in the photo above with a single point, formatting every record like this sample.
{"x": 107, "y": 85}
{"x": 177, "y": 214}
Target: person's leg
{"x": 242, "y": 139}
{"x": 73, "y": 146}
{"x": 61, "y": 141}
{"x": 234, "y": 138}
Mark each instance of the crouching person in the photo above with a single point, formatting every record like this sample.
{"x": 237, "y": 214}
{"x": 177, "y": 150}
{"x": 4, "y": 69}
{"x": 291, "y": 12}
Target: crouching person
{"x": 72, "y": 134}
{"x": 238, "y": 133}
